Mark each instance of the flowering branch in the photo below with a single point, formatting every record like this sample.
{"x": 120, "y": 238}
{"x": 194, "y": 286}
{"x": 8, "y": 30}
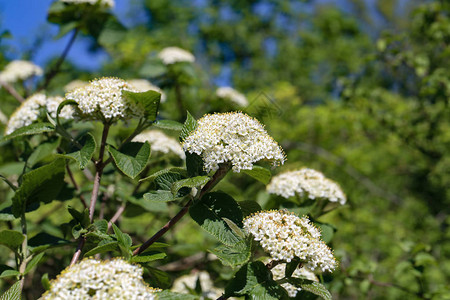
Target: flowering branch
{"x": 219, "y": 175}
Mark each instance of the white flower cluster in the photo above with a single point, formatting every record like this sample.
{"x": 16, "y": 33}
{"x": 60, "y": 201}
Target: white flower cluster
{"x": 143, "y": 85}
{"x": 232, "y": 137}
{"x": 306, "y": 182}
{"x": 186, "y": 282}
{"x": 231, "y": 94}
{"x": 171, "y": 55}
{"x": 160, "y": 142}
{"x": 19, "y": 70}
{"x": 96, "y": 279}
{"x": 34, "y": 107}
{"x": 285, "y": 236}
{"x": 102, "y": 99}
{"x": 106, "y": 3}
{"x": 278, "y": 273}
{"x": 75, "y": 84}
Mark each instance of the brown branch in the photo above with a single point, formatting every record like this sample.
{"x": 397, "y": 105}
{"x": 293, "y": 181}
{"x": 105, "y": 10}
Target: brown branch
{"x": 220, "y": 173}
{"x": 116, "y": 216}
{"x": 10, "y": 89}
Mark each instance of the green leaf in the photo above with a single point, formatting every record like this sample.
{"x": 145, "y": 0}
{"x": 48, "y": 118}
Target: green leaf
{"x": 45, "y": 282}
{"x": 168, "y": 124}
{"x": 109, "y": 246}
{"x": 43, "y": 241}
{"x": 189, "y": 125}
{"x": 209, "y": 212}
{"x": 158, "y": 196}
{"x": 238, "y": 231}
{"x": 84, "y": 155}
{"x": 313, "y": 287}
{"x": 9, "y": 183}
{"x": 9, "y": 273}
{"x": 13, "y": 293}
{"x": 32, "y": 129}
{"x": 42, "y": 151}
{"x": 291, "y": 267}
{"x": 148, "y": 101}
{"x": 65, "y": 29}
{"x": 162, "y": 279}
{"x": 194, "y": 164}
{"x": 254, "y": 280}
{"x": 182, "y": 172}
{"x": 167, "y": 295}
{"x": 189, "y": 182}
{"x": 33, "y": 262}
{"x": 152, "y": 68}
{"x": 259, "y": 173}
{"x": 11, "y": 239}
{"x": 80, "y": 217}
{"x": 249, "y": 206}
{"x": 327, "y": 231}
{"x": 235, "y": 255}
{"x": 42, "y": 184}
{"x": 149, "y": 203}
{"x": 166, "y": 180}
{"x": 112, "y": 32}
{"x": 148, "y": 256}
{"x": 124, "y": 242}
{"x": 132, "y": 158}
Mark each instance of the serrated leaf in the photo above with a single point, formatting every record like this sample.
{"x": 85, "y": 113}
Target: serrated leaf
{"x": 167, "y": 295}
{"x": 194, "y": 164}
{"x": 80, "y": 217}
{"x": 32, "y": 129}
{"x": 189, "y": 125}
{"x": 148, "y": 256}
{"x": 248, "y": 207}
{"x": 110, "y": 246}
{"x": 9, "y": 273}
{"x": 189, "y": 182}
{"x": 235, "y": 255}
{"x": 33, "y": 262}
{"x": 327, "y": 231}
{"x": 314, "y": 287}
{"x": 259, "y": 173}
{"x": 209, "y": 212}
{"x": 132, "y": 158}
{"x": 158, "y": 196}
{"x": 124, "y": 241}
{"x": 254, "y": 280}
{"x": 42, "y": 184}
{"x": 11, "y": 239}
{"x": 42, "y": 151}
{"x": 155, "y": 175}
{"x": 238, "y": 231}
{"x": 13, "y": 293}
{"x": 165, "y": 180}
{"x": 162, "y": 279}
{"x": 168, "y": 124}
{"x": 43, "y": 241}
{"x": 148, "y": 101}
{"x": 84, "y": 155}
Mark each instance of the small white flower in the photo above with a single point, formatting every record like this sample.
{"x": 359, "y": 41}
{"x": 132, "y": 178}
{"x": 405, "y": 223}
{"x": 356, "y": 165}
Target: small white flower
{"x": 232, "y": 95}
{"x": 34, "y": 107}
{"x": 19, "y": 70}
{"x": 278, "y": 273}
{"x": 143, "y": 85}
{"x": 306, "y": 182}
{"x": 171, "y": 55}
{"x": 190, "y": 281}
{"x": 284, "y": 236}
{"x": 160, "y": 142}
{"x": 102, "y": 99}
{"x": 75, "y": 84}
{"x": 106, "y": 3}
{"x": 232, "y": 137}
{"x": 96, "y": 279}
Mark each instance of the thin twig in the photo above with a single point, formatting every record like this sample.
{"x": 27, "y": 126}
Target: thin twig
{"x": 220, "y": 173}
{"x": 10, "y": 89}
{"x": 116, "y": 215}
{"x": 77, "y": 253}
{"x": 55, "y": 70}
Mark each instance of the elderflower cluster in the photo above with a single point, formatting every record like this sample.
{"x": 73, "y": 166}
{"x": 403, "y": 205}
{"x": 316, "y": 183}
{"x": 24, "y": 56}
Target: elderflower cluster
{"x": 34, "y": 107}
{"x": 102, "y": 99}
{"x": 188, "y": 282}
{"x": 278, "y": 273}
{"x": 285, "y": 236}
{"x": 143, "y": 85}
{"x": 231, "y": 94}
{"x": 306, "y": 182}
{"x": 232, "y": 137}
{"x": 160, "y": 142}
{"x": 171, "y": 55}
{"x": 19, "y": 70}
{"x": 74, "y": 84}
{"x": 105, "y": 3}
{"x": 96, "y": 279}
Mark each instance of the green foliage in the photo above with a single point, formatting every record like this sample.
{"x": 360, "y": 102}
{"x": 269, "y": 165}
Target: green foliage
{"x": 30, "y": 130}
{"x": 84, "y": 155}
{"x": 132, "y": 158}
{"x": 11, "y": 239}
{"x": 148, "y": 101}
{"x": 259, "y": 173}
{"x": 13, "y": 293}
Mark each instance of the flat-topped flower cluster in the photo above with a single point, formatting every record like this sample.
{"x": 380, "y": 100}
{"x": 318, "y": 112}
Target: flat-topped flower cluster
{"x": 96, "y": 279}
{"x": 171, "y": 55}
{"x": 232, "y": 137}
{"x": 160, "y": 142}
{"x": 284, "y": 236}
{"x": 34, "y": 107}
{"x": 306, "y": 183}
{"x": 102, "y": 99}
{"x": 19, "y": 70}
{"x": 232, "y": 95}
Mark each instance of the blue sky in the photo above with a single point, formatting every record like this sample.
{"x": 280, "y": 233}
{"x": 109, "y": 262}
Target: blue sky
{"x": 26, "y": 19}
